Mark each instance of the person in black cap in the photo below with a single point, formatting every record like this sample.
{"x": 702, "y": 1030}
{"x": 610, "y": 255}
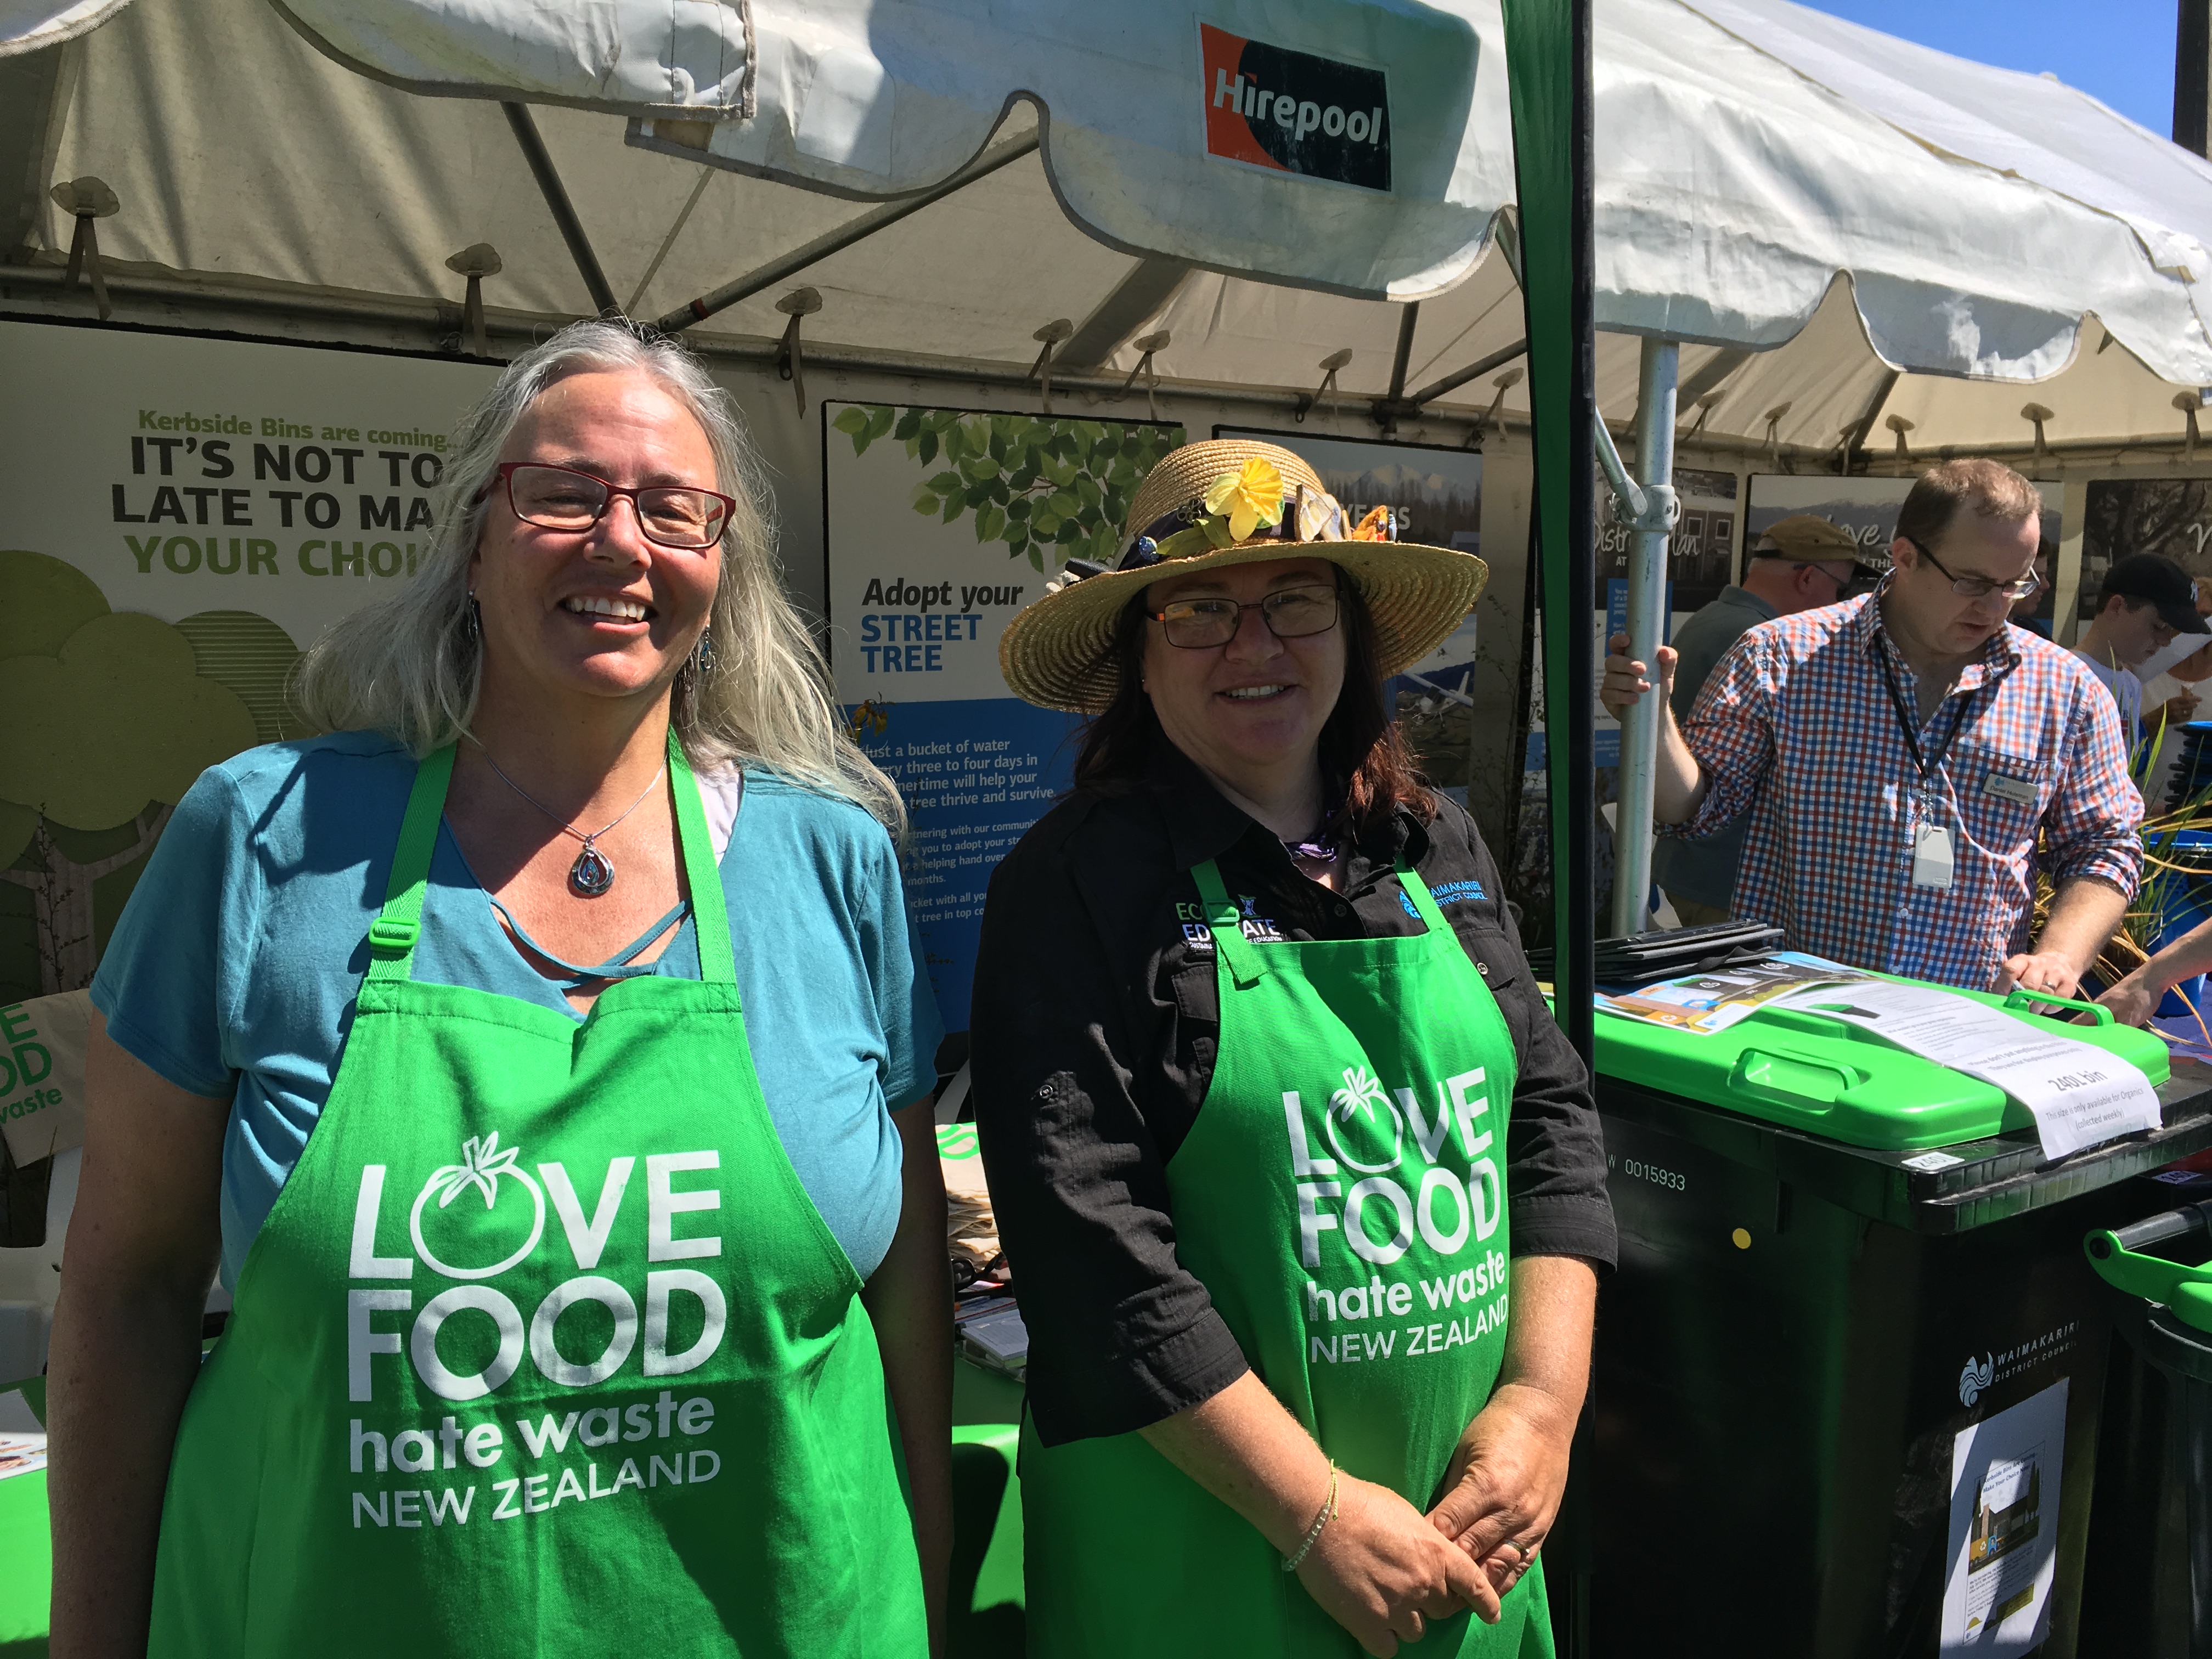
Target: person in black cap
{"x": 2146, "y": 601}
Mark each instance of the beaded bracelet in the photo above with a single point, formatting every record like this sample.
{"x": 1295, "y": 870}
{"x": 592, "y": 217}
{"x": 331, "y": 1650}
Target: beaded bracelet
{"x": 1328, "y": 1514}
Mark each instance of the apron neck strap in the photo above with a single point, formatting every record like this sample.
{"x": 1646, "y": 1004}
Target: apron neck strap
{"x": 399, "y": 926}
{"x": 1423, "y": 901}
{"x": 391, "y": 936}
{"x": 710, "y": 911}
{"x": 1240, "y": 955}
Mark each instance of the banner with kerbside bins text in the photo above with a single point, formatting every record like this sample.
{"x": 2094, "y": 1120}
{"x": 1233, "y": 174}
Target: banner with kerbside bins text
{"x": 943, "y": 525}
{"x": 185, "y": 516}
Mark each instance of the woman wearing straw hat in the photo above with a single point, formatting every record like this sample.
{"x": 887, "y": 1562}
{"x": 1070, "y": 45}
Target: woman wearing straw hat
{"x": 1277, "y": 1127}
{"x": 530, "y": 1053}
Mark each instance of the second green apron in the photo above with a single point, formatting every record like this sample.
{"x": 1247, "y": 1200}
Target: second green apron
{"x": 543, "y": 1348}
{"x": 1342, "y": 1199}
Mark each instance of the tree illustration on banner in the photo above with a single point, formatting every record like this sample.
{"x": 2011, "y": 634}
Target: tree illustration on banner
{"x": 1053, "y": 490}
{"x": 109, "y": 720}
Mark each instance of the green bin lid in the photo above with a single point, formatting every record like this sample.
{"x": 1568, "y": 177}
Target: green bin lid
{"x": 1808, "y": 1072}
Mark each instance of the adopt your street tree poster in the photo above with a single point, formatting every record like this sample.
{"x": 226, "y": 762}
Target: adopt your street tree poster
{"x": 942, "y": 525}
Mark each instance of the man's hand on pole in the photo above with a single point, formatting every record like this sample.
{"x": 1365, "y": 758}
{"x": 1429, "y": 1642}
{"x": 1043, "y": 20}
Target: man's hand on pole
{"x": 1625, "y": 684}
{"x": 1678, "y": 781}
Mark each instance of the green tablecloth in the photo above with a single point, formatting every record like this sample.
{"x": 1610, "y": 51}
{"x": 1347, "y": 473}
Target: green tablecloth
{"x": 27, "y": 1563}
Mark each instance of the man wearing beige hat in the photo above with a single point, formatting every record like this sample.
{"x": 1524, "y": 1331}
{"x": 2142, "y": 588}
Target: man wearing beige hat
{"x": 1799, "y": 563}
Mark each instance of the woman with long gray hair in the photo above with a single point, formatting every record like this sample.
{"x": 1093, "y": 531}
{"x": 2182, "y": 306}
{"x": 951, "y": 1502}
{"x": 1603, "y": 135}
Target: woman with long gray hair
{"x": 583, "y": 1221}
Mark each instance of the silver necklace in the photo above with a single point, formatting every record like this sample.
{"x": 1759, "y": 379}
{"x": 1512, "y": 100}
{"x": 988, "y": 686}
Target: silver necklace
{"x": 593, "y": 871}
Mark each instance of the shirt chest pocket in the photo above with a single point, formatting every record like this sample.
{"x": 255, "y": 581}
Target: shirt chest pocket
{"x": 1493, "y": 955}
{"x": 2001, "y": 796}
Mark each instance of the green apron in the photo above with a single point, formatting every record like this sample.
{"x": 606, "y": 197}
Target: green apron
{"x": 1342, "y": 1199}
{"x": 543, "y": 1349}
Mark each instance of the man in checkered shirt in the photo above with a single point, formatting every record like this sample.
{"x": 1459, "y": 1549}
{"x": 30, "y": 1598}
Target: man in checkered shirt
{"x": 1914, "y": 854}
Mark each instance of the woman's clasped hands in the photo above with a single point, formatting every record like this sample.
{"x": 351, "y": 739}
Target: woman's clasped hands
{"x": 1385, "y": 1571}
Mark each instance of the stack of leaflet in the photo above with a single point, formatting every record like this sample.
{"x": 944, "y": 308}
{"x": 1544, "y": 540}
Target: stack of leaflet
{"x": 992, "y": 1335}
{"x": 2192, "y": 766}
{"x": 1642, "y": 957}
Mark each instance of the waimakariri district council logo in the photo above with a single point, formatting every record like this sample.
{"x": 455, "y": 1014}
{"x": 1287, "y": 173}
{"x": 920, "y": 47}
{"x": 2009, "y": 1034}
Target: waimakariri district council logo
{"x": 1975, "y": 1380}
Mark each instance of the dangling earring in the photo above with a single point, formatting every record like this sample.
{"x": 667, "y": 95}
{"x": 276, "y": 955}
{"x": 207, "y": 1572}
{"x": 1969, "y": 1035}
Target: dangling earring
{"x": 472, "y": 622}
{"x": 690, "y": 677}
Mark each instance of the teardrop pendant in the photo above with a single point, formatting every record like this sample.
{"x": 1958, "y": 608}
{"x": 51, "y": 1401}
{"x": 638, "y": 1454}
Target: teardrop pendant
{"x": 592, "y": 872}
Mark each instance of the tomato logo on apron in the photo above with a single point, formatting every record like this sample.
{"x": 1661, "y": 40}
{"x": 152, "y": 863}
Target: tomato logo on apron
{"x": 481, "y": 1167}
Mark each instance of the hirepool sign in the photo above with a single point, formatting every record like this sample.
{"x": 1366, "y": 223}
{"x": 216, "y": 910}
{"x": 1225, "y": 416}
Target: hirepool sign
{"x": 1292, "y": 111}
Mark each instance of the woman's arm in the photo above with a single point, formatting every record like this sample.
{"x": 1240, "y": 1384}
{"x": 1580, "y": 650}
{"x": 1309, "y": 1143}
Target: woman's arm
{"x": 142, "y": 1246}
{"x": 1511, "y": 1469}
{"x": 2136, "y": 998}
{"x": 910, "y": 1301}
{"x": 1379, "y": 1569}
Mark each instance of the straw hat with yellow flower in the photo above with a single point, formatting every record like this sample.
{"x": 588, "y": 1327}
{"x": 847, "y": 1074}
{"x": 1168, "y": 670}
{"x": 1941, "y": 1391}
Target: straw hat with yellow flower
{"x": 1226, "y": 502}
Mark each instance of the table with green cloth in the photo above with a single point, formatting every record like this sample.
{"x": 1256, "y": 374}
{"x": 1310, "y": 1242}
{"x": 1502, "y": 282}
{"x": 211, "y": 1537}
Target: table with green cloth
{"x": 27, "y": 1559}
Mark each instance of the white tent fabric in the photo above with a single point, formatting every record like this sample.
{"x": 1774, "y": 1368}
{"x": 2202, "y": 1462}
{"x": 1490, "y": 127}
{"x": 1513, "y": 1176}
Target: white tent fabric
{"x": 1989, "y": 228}
{"x": 32, "y": 25}
{"x": 1774, "y": 184}
{"x": 882, "y": 98}
{"x": 636, "y": 57}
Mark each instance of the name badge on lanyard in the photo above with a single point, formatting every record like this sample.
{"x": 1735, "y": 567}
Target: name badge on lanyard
{"x": 1934, "y": 865}
{"x": 1931, "y": 855}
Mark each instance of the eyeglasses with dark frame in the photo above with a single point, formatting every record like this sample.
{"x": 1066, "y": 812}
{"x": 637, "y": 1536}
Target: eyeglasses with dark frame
{"x": 1291, "y": 613}
{"x": 1980, "y": 587}
{"x": 1843, "y": 583}
{"x": 679, "y": 516}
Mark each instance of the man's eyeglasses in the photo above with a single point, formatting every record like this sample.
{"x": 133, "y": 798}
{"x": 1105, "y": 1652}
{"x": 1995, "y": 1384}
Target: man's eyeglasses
{"x": 677, "y": 516}
{"x": 1843, "y": 583}
{"x": 1291, "y": 613}
{"x": 1980, "y": 587}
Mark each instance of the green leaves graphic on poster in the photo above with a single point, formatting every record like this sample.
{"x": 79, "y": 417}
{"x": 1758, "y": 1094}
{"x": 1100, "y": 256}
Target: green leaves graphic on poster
{"x": 1031, "y": 483}
{"x": 111, "y": 718}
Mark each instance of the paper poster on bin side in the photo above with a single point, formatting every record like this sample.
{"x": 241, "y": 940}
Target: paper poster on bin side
{"x": 2003, "y": 1556}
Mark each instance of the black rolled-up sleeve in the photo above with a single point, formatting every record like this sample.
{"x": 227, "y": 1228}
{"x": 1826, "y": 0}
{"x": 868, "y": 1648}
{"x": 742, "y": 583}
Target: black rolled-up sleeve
{"x": 1121, "y": 1335}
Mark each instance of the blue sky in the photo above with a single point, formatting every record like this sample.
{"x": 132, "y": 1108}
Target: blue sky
{"x": 2119, "y": 51}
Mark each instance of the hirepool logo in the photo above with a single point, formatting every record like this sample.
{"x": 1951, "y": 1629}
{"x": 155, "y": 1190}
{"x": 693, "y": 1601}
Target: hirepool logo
{"x": 1291, "y": 112}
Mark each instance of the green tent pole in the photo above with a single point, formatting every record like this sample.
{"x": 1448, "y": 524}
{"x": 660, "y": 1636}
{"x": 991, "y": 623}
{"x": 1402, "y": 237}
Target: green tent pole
{"x": 1547, "y": 49}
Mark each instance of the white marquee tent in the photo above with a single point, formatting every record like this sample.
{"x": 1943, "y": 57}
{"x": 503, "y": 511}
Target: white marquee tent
{"x": 1813, "y": 207}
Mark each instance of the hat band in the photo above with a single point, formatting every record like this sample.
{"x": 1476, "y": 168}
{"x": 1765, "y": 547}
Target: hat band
{"x": 1307, "y": 516}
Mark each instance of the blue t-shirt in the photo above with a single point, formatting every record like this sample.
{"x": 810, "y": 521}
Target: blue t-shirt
{"x": 236, "y": 963}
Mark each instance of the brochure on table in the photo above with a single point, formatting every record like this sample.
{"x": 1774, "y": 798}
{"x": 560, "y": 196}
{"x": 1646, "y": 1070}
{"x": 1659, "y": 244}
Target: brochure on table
{"x": 2078, "y": 1095}
{"x": 1710, "y": 1002}
{"x": 22, "y": 1437}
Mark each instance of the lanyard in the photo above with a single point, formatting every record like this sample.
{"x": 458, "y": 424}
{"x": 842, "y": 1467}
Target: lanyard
{"x": 1929, "y": 762}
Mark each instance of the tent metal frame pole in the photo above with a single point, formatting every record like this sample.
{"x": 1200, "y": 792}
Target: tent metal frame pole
{"x": 562, "y": 209}
{"x": 1657, "y": 381}
{"x": 791, "y": 263}
{"x": 1412, "y": 405}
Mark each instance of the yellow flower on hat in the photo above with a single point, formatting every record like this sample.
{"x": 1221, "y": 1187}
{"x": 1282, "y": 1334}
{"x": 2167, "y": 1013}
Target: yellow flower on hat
{"x": 1250, "y": 496}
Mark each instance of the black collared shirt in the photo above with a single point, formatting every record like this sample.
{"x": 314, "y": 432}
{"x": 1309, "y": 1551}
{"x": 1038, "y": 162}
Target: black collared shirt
{"x": 1096, "y": 1019}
